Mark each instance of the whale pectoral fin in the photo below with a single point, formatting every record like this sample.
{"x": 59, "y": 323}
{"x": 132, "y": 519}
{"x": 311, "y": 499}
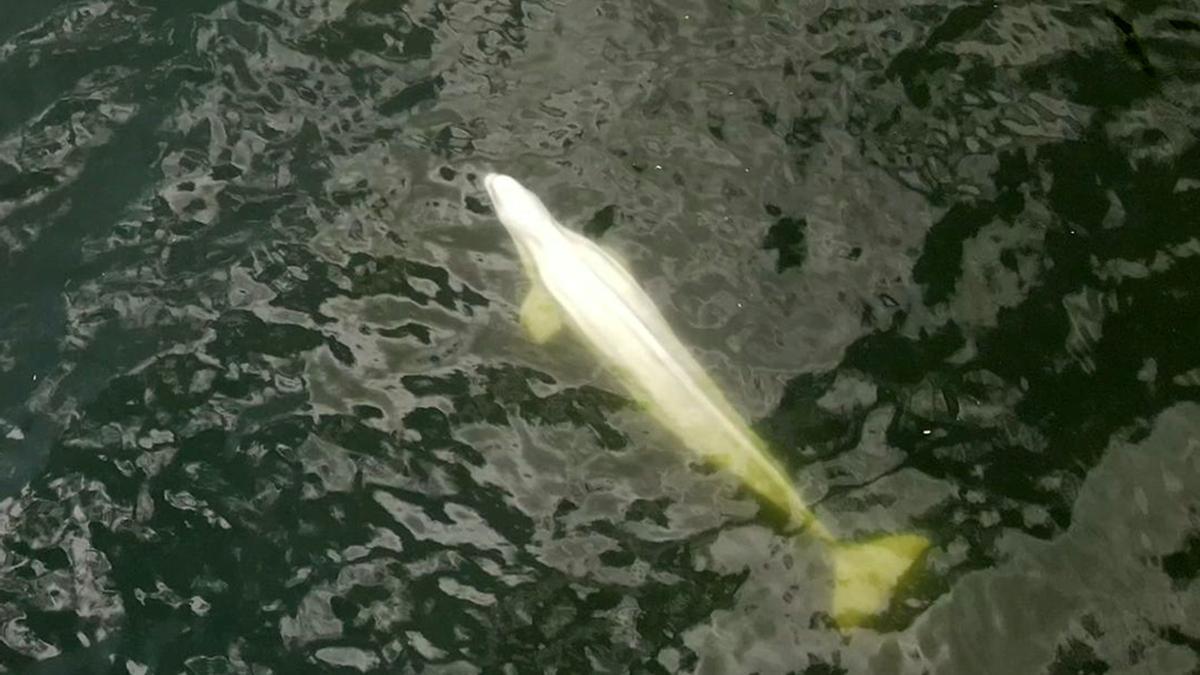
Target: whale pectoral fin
{"x": 540, "y": 315}
{"x": 866, "y": 574}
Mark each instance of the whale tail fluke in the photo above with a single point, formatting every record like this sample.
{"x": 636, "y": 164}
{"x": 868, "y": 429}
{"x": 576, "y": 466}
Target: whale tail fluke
{"x": 866, "y": 574}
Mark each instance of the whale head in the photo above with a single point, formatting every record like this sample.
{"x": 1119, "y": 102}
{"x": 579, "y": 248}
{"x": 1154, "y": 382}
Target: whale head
{"x": 520, "y": 211}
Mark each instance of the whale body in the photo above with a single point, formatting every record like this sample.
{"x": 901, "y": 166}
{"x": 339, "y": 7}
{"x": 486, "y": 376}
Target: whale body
{"x": 577, "y": 283}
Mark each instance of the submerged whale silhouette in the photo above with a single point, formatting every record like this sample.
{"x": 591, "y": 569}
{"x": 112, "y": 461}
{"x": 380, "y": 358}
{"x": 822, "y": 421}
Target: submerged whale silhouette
{"x": 577, "y": 283}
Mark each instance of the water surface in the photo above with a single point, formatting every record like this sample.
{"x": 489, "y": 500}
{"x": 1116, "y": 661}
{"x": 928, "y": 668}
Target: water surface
{"x": 266, "y": 407}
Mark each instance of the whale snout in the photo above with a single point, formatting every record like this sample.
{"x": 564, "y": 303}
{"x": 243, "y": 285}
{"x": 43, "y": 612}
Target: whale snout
{"x": 507, "y": 195}
{"x": 517, "y": 208}
{"x": 499, "y": 184}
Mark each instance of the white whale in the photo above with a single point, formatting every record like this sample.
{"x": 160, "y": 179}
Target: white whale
{"x": 577, "y": 283}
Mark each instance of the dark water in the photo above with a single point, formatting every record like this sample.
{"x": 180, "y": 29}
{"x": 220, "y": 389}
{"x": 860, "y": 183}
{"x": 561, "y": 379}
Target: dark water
{"x": 266, "y": 408}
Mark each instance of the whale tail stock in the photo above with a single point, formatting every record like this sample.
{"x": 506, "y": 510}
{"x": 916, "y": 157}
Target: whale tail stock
{"x": 866, "y": 574}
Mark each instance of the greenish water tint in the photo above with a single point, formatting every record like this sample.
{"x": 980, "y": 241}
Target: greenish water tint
{"x": 266, "y": 408}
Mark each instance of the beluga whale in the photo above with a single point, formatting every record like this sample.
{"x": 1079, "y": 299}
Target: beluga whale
{"x": 576, "y": 284}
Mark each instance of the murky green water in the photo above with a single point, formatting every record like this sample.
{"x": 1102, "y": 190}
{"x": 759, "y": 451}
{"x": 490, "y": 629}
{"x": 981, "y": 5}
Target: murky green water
{"x": 266, "y": 407}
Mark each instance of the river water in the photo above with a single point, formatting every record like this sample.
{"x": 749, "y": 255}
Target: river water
{"x": 266, "y": 406}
